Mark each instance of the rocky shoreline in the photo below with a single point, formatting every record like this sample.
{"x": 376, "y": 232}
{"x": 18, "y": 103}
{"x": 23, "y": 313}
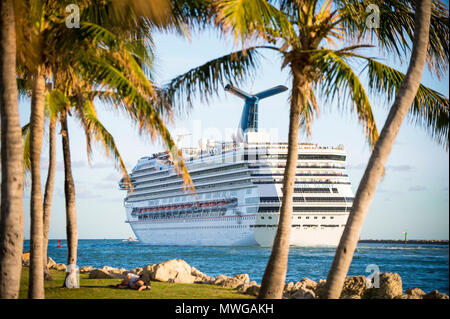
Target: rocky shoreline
{"x": 179, "y": 271}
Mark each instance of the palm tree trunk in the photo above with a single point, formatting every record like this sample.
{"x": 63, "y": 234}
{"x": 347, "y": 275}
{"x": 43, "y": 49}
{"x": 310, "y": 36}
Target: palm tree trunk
{"x": 36, "y": 281}
{"x": 69, "y": 190}
{"x": 11, "y": 218}
{"x": 273, "y": 281}
{"x": 374, "y": 170}
{"x": 48, "y": 196}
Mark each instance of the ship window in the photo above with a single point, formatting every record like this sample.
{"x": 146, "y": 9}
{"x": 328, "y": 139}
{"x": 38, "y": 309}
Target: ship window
{"x": 331, "y": 217}
{"x": 323, "y": 217}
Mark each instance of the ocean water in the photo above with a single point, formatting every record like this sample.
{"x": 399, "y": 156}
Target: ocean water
{"x": 423, "y": 266}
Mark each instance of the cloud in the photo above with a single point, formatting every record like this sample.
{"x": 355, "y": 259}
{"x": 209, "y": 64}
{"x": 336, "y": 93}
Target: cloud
{"x": 80, "y": 192}
{"x": 113, "y": 177}
{"x": 389, "y": 191}
{"x": 417, "y": 188}
{"x": 395, "y": 168}
{"x": 399, "y": 168}
{"x": 103, "y": 165}
{"x": 359, "y": 166}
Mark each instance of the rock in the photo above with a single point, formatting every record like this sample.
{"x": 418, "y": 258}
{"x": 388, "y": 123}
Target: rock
{"x": 355, "y": 285}
{"x": 351, "y": 297}
{"x": 175, "y": 270}
{"x": 242, "y": 288}
{"x": 305, "y": 283}
{"x": 245, "y": 278}
{"x": 435, "y": 295}
{"x": 113, "y": 272}
{"x": 50, "y": 263}
{"x": 100, "y": 274}
{"x": 86, "y": 269}
{"x": 253, "y": 290}
{"x": 138, "y": 271}
{"x": 148, "y": 273}
{"x": 417, "y": 293}
{"x": 288, "y": 288}
{"x": 200, "y": 277}
{"x": 60, "y": 267}
{"x": 320, "y": 288}
{"x": 303, "y": 293}
{"x": 390, "y": 287}
{"x": 235, "y": 281}
{"x": 220, "y": 279}
{"x": 26, "y": 259}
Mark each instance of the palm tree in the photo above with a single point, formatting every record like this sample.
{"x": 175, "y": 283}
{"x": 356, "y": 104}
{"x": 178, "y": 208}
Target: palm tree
{"x": 45, "y": 21}
{"x": 11, "y": 218}
{"x": 48, "y": 195}
{"x": 374, "y": 170}
{"x": 54, "y": 103}
{"x": 58, "y": 105}
{"x": 317, "y": 42}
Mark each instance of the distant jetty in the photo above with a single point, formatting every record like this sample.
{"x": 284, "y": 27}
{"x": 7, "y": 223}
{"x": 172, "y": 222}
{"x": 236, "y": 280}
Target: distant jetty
{"x": 400, "y": 241}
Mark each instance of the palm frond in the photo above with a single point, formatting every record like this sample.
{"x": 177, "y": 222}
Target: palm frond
{"x": 395, "y": 32}
{"x": 249, "y": 18}
{"x": 430, "y": 109}
{"x": 338, "y": 80}
{"x": 26, "y": 151}
{"x": 56, "y": 101}
{"x": 206, "y": 80}
{"x": 95, "y": 129}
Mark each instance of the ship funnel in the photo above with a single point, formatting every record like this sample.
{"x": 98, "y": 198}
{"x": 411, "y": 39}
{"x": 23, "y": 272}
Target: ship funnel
{"x": 249, "y": 117}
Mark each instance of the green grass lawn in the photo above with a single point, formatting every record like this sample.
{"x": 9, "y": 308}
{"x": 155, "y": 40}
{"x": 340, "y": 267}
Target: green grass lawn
{"x": 99, "y": 289}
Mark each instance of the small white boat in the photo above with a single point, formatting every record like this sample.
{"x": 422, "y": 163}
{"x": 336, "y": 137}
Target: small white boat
{"x": 130, "y": 239}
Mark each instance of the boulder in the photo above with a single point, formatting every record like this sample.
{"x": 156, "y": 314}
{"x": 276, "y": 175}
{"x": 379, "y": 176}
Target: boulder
{"x": 26, "y": 259}
{"x": 320, "y": 288}
{"x": 220, "y": 279}
{"x": 305, "y": 283}
{"x": 303, "y": 293}
{"x": 235, "y": 281}
{"x": 200, "y": 277}
{"x": 415, "y": 293}
{"x": 175, "y": 270}
{"x": 137, "y": 271}
{"x": 60, "y": 267}
{"x": 390, "y": 287}
{"x": 148, "y": 273}
{"x": 50, "y": 263}
{"x": 253, "y": 290}
{"x": 100, "y": 274}
{"x": 242, "y": 288}
{"x": 435, "y": 295}
{"x": 288, "y": 288}
{"x": 355, "y": 285}
{"x": 86, "y": 269}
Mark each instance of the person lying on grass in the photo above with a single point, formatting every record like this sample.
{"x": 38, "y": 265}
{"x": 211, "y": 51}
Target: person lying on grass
{"x": 134, "y": 282}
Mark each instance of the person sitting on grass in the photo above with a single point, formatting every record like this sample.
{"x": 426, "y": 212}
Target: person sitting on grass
{"x": 133, "y": 281}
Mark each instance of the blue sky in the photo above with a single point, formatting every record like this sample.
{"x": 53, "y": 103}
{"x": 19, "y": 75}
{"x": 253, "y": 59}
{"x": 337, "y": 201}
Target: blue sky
{"x": 412, "y": 197}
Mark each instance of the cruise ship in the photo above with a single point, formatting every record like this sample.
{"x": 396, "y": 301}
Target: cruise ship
{"x": 238, "y": 191}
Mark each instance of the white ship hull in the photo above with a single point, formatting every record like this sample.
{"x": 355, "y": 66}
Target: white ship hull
{"x": 161, "y": 236}
{"x": 238, "y": 198}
